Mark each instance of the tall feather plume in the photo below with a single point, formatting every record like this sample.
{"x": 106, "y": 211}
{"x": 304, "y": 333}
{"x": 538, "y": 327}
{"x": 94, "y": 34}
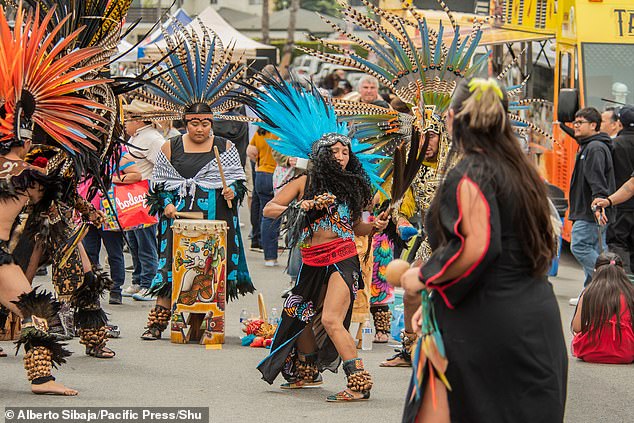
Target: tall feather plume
{"x": 45, "y": 87}
{"x": 196, "y": 69}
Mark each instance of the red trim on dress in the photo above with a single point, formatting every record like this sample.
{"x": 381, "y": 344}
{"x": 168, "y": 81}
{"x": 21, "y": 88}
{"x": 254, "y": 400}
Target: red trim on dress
{"x": 441, "y": 289}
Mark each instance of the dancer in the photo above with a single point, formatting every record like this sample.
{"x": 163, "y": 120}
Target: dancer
{"x": 492, "y": 241}
{"x": 324, "y": 210}
{"x": 424, "y": 80}
{"x": 40, "y": 90}
{"x": 186, "y": 176}
{"x": 53, "y": 235}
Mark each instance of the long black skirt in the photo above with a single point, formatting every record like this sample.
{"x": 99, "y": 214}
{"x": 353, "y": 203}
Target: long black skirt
{"x": 303, "y": 306}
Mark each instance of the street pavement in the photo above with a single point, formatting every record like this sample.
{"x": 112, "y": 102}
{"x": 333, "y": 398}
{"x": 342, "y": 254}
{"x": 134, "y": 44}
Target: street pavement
{"x": 159, "y": 373}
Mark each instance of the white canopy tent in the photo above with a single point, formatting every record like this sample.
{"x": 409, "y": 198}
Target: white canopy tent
{"x": 210, "y": 19}
{"x": 131, "y": 55}
{"x": 168, "y": 26}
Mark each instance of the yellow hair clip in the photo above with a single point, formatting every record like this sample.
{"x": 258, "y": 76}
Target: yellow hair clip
{"x": 484, "y": 85}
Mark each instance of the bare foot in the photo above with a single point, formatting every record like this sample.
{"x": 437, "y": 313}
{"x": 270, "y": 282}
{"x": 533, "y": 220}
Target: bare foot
{"x": 53, "y": 388}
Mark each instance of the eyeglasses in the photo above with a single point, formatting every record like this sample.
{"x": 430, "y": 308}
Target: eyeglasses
{"x": 579, "y": 122}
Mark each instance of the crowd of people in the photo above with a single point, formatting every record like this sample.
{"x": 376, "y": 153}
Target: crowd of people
{"x": 347, "y": 182}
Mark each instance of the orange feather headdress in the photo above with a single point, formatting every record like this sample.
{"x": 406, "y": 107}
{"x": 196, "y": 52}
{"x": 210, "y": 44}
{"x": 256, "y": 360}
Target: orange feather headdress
{"x": 41, "y": 84}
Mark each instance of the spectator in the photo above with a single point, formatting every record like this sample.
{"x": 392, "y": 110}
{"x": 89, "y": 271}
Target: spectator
{"x": 368, "y": 89}
{"x": 261, "y": 153}
{"x": 145, "y": 143}
{"x": 112, "y": 239}
{"x": 592, "y": 177}
{"x": 620, "y": 234}
{"x": 602, "y": 323}
{"x": 167, "y": 129}
{"x": 236, "y": 132}
{"x": 330, "y": 82}
{"x": 285, "y": 171}
{"x": 610, "y": 123}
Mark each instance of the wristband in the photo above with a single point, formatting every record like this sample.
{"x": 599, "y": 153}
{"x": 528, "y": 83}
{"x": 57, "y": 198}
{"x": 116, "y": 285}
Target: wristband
{"x": 609, "y": 201}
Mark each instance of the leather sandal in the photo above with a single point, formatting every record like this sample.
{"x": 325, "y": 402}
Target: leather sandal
{"x": 299, "y": 384}
{"x": 151, "y": 334}
{"x": 345, "y": 396}
{"x": 100, "y": 352}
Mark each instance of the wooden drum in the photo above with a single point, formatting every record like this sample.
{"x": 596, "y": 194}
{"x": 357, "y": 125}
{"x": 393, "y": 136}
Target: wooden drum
{"x": 199, "y": 276}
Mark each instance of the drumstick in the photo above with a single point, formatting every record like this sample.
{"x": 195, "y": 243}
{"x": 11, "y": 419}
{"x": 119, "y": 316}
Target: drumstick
{"x": 262, "y": 307}
{"x": 222, "y": 172}
{"x": 190, "y": 215}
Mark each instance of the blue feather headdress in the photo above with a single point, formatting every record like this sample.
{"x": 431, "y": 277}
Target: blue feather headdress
{"x": 304, "y": 121}
{"x": 194, "y": 71}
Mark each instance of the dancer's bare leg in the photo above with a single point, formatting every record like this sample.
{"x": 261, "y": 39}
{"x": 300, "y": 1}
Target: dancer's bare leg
{"x": 13, "y": 283}
{"x": 411, "y": 302}
{"x": 334, "y": 312}
{"x": 438, "y": 413}
{"x": 34, "y": 262}
{"x": 306, "y": 342}
{"x": 336, "y": 305}
{"x": 85, "y": 261}
{"x": 164, "y": 302}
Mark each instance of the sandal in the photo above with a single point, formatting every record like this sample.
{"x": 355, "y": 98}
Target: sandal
{"x": 397, "y": 360}
{"x": 100, "y": 352}
{"x": 151, "y": 334}
{"x": 381, "y": 337}
{"x": 345, "y": 396}
{"x": 299, "y": 384}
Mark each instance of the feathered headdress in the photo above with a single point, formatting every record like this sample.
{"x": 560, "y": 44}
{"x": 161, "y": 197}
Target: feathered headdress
{"x": 102, "y": 21}
{"x": 195, "y": 71}
{"x": 304, "y": 121}
{"x": 41, "y": 85}
{"x": 422, "y": 72}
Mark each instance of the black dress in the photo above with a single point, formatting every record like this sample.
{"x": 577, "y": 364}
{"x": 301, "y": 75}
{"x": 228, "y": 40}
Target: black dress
{"x": 214, "y": 207}
{"x": 501, "y": 326}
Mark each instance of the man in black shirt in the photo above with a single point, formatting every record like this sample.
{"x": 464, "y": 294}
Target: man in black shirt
{"x": 620, "y": 234}
{"x": 592, "y": 177}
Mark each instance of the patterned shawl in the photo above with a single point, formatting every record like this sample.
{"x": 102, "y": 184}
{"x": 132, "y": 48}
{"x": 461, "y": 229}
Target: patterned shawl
{"x": 207, "y": 178}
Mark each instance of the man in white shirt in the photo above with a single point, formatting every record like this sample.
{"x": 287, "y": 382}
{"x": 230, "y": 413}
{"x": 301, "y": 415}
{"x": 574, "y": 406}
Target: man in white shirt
{"x": 146, "y": 142}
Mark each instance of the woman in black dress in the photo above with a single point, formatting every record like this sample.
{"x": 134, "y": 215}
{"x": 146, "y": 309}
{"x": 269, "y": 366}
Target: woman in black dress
{"x": 186, "y": 178}
{"x": 492, "y": 244}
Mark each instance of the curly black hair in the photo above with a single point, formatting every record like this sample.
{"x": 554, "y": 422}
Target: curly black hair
{"x": 350, "y": 185}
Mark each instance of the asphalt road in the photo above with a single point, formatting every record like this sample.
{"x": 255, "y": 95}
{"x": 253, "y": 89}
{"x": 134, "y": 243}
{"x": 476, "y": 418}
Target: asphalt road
{"x": 159, "y": 373}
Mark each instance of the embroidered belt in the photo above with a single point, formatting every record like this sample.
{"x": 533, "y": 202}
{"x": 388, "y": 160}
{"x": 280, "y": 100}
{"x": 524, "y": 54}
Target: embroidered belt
{"x": 329, "y": 253}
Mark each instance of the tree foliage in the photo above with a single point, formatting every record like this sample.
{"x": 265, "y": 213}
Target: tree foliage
{"x": 327, "y": 7}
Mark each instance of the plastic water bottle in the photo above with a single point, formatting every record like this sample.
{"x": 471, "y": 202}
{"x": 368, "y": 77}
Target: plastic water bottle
{"x": 274, "y": 317}
{"x": 244, "y": 316}
{"x": 366, "y": 336}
